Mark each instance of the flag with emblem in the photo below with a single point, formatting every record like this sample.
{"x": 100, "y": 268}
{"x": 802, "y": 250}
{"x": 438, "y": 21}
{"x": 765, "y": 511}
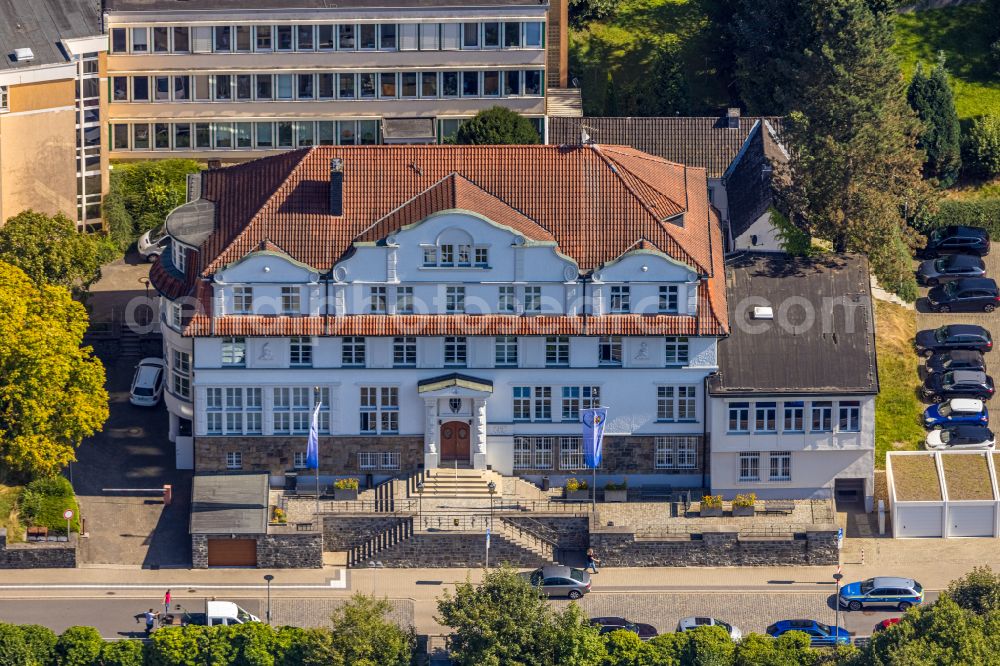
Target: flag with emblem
{"x": 593, "y": 435}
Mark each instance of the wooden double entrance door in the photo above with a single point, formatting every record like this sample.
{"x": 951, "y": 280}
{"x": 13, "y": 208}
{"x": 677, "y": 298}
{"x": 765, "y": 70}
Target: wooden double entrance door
{"x": 454, "y": 441}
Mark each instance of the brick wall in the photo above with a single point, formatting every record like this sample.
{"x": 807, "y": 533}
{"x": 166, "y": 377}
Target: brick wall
{"x": 622, "y": 454}
{"x": 274, "y": 455}
{"x": 290, "y": 550}
{"x": 44, "y": 555}
{"x": 570, "y": 531}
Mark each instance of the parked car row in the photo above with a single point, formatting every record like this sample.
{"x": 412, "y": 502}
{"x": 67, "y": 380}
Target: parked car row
{"x": 955, "y": 271}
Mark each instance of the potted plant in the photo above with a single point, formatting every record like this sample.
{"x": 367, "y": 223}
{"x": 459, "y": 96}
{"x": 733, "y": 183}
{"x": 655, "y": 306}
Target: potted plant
{"x": 278, "y": 516}
{"x": 345, "y": 489}
{"x": 616, "y": 492}
{"x": 577, "y": 490}
{"x": 711, "y": 506}
{"x": 743, "y": 505}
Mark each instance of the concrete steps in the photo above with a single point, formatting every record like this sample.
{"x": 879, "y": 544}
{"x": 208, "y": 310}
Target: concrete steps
{"x": 460, "y": 484}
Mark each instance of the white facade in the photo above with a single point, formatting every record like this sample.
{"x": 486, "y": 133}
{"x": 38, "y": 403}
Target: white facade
{"x": 761, "y": 236}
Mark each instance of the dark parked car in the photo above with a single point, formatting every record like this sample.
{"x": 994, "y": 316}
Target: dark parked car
{"x": 958, "y": 384}
{"x": 952, "y": 267}
{"x": 954, "y": 336}
{"x": 609, "y": 624}
{"x": 559, "y": 581}
{"x": 958, "y": 359}
{"x": 958, "y": 240}
{"x": 965, "y": 294}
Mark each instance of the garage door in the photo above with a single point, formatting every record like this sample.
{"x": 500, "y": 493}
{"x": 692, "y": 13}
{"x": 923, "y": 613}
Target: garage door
{"x": 970, "y": 521}
{"x": 232, "y": 552}
{"x": 918, "y": 521}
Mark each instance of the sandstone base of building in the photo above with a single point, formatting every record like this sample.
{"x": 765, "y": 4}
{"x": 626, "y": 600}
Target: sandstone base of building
{"x": 337, "y": 455}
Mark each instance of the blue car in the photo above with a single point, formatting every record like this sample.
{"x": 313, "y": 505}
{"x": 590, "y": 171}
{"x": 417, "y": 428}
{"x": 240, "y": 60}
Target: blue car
{"x": 957, "y": 411}
{"x": 819, "y": 634}
{"x": 898, "y": 593}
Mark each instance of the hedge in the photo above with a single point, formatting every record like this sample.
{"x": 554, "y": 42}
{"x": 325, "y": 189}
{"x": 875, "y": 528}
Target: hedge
{"x": 983, "y": 213}
{"x": 43, "y": 502}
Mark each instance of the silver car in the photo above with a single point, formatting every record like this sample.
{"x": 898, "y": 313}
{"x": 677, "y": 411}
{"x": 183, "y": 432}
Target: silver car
{"x": 559, "y": 581}
{"x": 152, "y": 243}
{"x": 689, "y": 623}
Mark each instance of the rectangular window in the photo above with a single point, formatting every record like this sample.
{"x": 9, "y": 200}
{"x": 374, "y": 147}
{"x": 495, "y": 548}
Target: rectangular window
{"x": 161, "y": 137}
{"x": 262, "y": 38}
{"x": 223, "y": 40}
{"x": 387, "y": 36}
{"x": 676, "y": 350}
{"x": 491, "y": 84}
{"x": 265, "y": 135}
{"x": 451, "y": 36}
{"x": 291, "y": 303}
{"x": 781, "y": 466}
{"x": 244, "y": 87}
{"x": 140, "y": 137}
{"x": 379, "y": 409}
{"x": 299, "y": 459}
{"x": 404, "y": 352}
{"x": 223, "y": 87}
{"x": 408, "y": 40}
{"x": 532, "y": 403}
{"x": 522, "y": 403}
{"x": 161, "y": 39}
{"x": 345, "y": 86}
{"x": 482, "y": 257}
{"x": 201, "y": 39}
{"x": 609, "y": 350}
{"x": 511, "y": 35}
{"x": 571, "y": 453}
{"x": 234, "y": 351}
{"x": 202, "y": 135}
{"x": 668, "y": 299}
{"x": 119, "y": 40}
{"x": 449, "y": 84}
{"x": 428, "y": 36}
{"x": 119, "y": 89}
{"x": 161, "y": 88}
{"x": 679, "y": 453}
{"x": 577, "y": 398}
{"x": 182, "y": 135}
{"x": 202, "y": 87}
{"x": 556, "y": 350}
{"x": 794, "y": 416}
{"x": 739, "y": 417}
{"x": 118, "y": 131}
{"x": 377, "y": 300}
{"x": 234, "y": 460}
{"x": 304, "y": 86}
{"x": 301, "y": 352}
{"x": 511, "y": 83}
{"x": 353, "y": 351}
{"x": 506, "y": 351}
{"x": 140, "y": 89}
{"x": 620, "y": 299}
{"x": 765, "y": 417}
{"x": 749, "y": 466}
{"x": 326, "y": 132}
{"x": 408, "y": 84}
{"x": 366, "y": 36}
{"x": 455, "y": 350}
{"x": 523, "y": 451}
{"x": 491, "y": 35}
{"x": 470, "y": 35}
{"x": 304, "y": 37}
{"x": 182, "y": 88}
{"x": 428, "y": 84}
{"x": 282, "y": 411}
{"x": 345, "y": 40}
{"x": 243, "y": 38}
{"x": 387, "y": 84}
{"x": 470, "y": 84}
{"x": 850, "y": 416}
{"x": 822, "y": 416}
{"x": 532, "y": 300}
{"x": 533, "y": 34}
{"x": 283, "y": 37}
{"x": 454, "y": 299}
{"x": 533, "y": 452}
{"x": 324, "y": 88}
{"x": 324, "y": 37}
{"x": 367, "y": 86}
{"x": 404, "y": 300}
{"x": 506, "y": 301}
{"x": 140, "y": 40}
{"x": 533, "y": 82}
{"x": 676, "y": 403}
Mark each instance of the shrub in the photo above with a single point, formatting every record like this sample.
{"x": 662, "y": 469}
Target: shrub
{"x": 983, "y": 213}
{"x": 610, "y": 485}
{"x": 279, "y": 515}
{"x": 14, "y": 651}
{"x": 79, "y": 646}
{"x": 747, "y": 500}
{"x": 41, "y": 641}
{"x": 497, "y": 126}
{"x": 982, "y": 146}
{"x": 572, "y": 485}
{"x": 711, "y": 502}
{"x": 122, "y": 653}
{"x": 141, "y": 194}
{"x": 43, "y": 501}
{"x": 346, "y": 484}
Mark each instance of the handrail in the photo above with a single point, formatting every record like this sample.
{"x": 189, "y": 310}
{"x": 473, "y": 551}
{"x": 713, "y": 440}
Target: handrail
{"x": 534, "y": 536}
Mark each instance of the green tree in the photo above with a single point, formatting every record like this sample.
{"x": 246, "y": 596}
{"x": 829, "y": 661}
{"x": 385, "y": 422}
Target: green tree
{"x": 14, "y": 651}
{"x": 708, "y": 646}
{"x": 941, "y": 138}
{"x": 982, "y": 146}
{"x": 52, "y": 391}
{"x": 582, "y": 12}
{"x": 41, "y": 642}
{"x": 140, "y": 194}
{"x": 310, "y": 647}
{"x": 122, "y": 653}
{"x": 625, "y": 649}
{"x": 497, "y": 125}
{"x": 791, "y": 649}
{"x": 667, "y": 95}
{"x": 977, "y": 591}
{"x": 79, "y": 646}
{"x": 574, "y": 641}
{"x": 855, "y": 173}
{"x": 363, "y": 636}
{"x": 50, "y": 250}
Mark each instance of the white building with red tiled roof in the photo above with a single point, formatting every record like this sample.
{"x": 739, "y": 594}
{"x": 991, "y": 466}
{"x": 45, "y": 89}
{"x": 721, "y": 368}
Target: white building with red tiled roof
{"x": 444, "y": 305}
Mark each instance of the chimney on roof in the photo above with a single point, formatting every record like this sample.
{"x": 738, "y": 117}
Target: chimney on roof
{"x": 336, "y": 187}
{"x": 733, "y": 117}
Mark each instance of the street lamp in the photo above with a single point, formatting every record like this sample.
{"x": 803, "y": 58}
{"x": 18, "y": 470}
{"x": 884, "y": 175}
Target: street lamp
{"x": 836, "y": 600}
{"x": 420, "y": 501}
{"x": 144, "y": 281}
{"x": 267, "y": 614}
{"x": 492, "y": 487}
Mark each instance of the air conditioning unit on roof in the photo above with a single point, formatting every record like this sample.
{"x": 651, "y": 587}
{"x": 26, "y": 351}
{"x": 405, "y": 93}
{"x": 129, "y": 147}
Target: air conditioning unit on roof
{"x": 763, "y": 312}
{"x": 24, "y": 55}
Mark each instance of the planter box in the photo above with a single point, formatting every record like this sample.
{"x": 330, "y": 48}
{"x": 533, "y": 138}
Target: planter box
{"x": 616, "y": 495}
{"x": 708, "y": 512}
{"x": 345, "y": 494}
{"x": 578, "y": 495}
{"x": 743, "y": 511}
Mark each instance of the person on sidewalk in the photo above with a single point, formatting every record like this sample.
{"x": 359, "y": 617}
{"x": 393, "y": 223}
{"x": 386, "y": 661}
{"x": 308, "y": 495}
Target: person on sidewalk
{"x": 166, "y": 604}
{"x": 592, "y": 561}
{"x": 151, "y": 616}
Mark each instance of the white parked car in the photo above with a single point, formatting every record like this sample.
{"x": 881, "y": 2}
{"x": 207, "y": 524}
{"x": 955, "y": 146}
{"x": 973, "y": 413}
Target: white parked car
{"x": 954, "y": 437}
{"x": 147, "y": 385}
{"x": 689, "y": 623}
{"x": 152, "y": 243}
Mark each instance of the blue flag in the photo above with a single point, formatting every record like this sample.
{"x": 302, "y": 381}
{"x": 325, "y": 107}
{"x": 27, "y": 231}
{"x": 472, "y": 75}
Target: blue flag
{"x": 312, "y": 448}
{"x": 593, "y": 434}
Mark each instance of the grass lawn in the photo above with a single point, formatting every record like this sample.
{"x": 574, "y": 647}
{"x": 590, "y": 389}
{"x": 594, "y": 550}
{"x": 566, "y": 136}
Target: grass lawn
{"x": 989, "y": 189}
{"x": 916, "y": 478}
{"x": 897, "y": 409}
{"x": 964, "y": 34}
{"x": 8, "y": 514}
{"x": 967, "y": 477}
{"x": 625, "y": 47}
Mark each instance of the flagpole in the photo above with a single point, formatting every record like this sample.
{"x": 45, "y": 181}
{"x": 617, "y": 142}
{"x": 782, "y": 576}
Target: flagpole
{"x": 319, "y": 403}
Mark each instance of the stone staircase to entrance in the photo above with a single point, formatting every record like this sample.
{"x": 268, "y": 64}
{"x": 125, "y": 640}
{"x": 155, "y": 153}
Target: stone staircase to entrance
{"x": 460, "y": 484}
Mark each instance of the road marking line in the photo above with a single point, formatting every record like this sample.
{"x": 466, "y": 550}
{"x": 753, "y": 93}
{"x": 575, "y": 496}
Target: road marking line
{"x": 340, "y": 582}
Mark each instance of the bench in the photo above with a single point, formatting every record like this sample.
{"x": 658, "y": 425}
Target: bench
{"x": 786, "y": 507}
{"x": 37, "y": 533}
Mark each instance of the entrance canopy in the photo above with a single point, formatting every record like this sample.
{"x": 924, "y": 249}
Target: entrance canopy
{"x": 454, "y": 384}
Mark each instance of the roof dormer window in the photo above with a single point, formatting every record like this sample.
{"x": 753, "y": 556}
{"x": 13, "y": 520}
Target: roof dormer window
{"x": 179, "y": 257}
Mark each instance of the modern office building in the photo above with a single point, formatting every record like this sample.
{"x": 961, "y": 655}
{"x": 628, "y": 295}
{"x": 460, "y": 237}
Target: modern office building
{"x": 230, "y": 80}
{"x": 53, "y": 109}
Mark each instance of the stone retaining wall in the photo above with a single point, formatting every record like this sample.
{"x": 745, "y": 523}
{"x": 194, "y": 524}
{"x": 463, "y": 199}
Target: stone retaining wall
{"x": 716, "y": 547}
{"x": 344, "y": 532}
{"x": 338, "y": 455}
{"x": 290, "y": 550}
{"x": 456, "y": 550}
{"x": 41, "y": 555}
{"x": 571, "y": 531}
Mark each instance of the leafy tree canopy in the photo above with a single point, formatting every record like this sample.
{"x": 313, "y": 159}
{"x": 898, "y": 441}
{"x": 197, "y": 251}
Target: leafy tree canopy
{"x": 52, "y": 391}
{"x": 932, "y": 99}
{"x": 983, "y": 146}
{"x": 363, "y": 636}
{"x": 497, "y": 126}
{"x": 141, "y": 194}
{"x": 584, "y": 11}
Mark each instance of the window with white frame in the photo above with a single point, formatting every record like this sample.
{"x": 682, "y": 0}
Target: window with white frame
{"x": 532, "y": 300}
{"x": 739, "y": 417}
{"x": 506, "y": 351}
{"x": 454, "y": 299}
{"x": 676, "y": 452}
{"x": 234, "y": 460}
{"x": 620, "y": 299}
{"x": 676, "y": 403}
{"x": 765, "y": 417}
{"x": 300, "y": 352}
{"x": 176, "y": 315}
{"x": 533, "y": 452}
{"x": 676, "y": 349}
{"x": 668, "y": 298}
{"x": 181, "y": 373}
{"x": 234, "y": 351}
{"x": 291, "y": 302}
{"x": 506, "y": 300}
{"x": 404, "y": 300}
{"x": 523, "y": 451}
{"x": 749, "y": 466}
{"x": 850, "y": 416}
{"x": 282, "y": 410}
{"x": 352, "y": 352}
{"x": 556, "y": 350}
{"x": 234, "y": 410}
{"x": 243, "y": 300}
{"x": 577, "y": 398}
{"x": 299, "y": 459}
{"x": 482, "y": 258}
{"x": 179, "y": 257}
{"x": 404, "y": 352}
{"x": 609, "y": 350}
{"x": 302, "y": 408}
{"x": 464, "y": 255}
{"x": 571, "y": 453}
{"x": 781, "y": 466}
{"x": 377, "y": 300}
{"x": 822, "y": 416}
{"x": 213, "y": 411}
{"x": 456, "y": 350}
{"x": 446, "y": 255}
{"x": 532, "y": 403}
{"x": 794, "y": 416}
{"x": 369, "y": 460}
{"x": 379, "y": 410}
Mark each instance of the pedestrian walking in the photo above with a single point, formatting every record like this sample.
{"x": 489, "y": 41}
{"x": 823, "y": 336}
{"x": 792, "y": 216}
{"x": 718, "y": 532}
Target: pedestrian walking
{"x": 151, "y": 616}
{"x": 592, "y": 561}
{"x": 166, "y": 604}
